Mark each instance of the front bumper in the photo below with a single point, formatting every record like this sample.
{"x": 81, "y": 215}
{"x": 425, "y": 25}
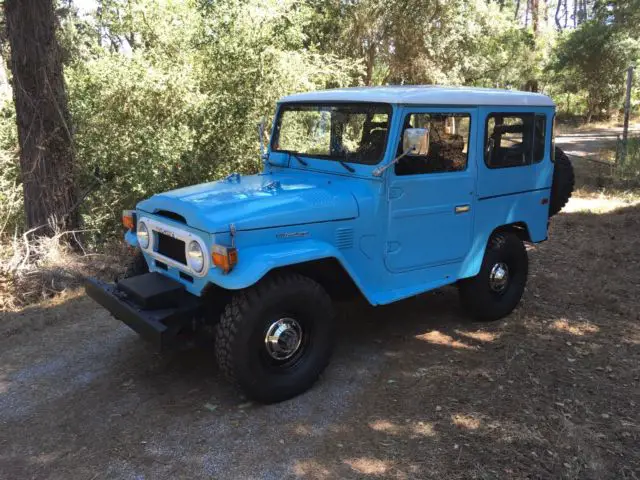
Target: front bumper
{"x": 161, "y": 326}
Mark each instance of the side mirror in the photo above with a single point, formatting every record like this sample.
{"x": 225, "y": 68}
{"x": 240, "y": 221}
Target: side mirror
{"x": 415, "y": 141}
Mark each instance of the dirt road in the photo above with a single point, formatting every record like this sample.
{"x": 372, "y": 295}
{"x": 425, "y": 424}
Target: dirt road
{"x": 590, "y": 142}
{"x": 414, "y": 391}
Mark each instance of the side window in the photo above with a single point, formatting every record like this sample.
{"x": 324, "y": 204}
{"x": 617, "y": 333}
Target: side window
{"x": 553, "y": 139}
{"x": 448, "y": 143}
{"x": 539, "y": 137}
{"x": 509, "y": 140}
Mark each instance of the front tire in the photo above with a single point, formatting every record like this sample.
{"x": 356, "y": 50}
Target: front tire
{"x": 136, "y": 265}
{"x": 498, "y": 287}
{"x": 275, "y": 339}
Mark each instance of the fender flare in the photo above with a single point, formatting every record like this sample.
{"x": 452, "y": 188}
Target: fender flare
{"x": 255, "y": 262}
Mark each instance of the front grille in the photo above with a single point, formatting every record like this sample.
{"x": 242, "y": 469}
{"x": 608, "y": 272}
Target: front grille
{"x": 172, "y": 248}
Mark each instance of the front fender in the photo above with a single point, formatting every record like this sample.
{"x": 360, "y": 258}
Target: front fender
{"x": 131, "y": 238}
{"x": 255, "y": 262}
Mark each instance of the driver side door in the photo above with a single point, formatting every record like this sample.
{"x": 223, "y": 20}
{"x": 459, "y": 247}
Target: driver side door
{"x": 430, "y": 198}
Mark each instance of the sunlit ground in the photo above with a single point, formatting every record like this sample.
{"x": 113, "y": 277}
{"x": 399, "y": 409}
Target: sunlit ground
{"x": 414, "y": 389}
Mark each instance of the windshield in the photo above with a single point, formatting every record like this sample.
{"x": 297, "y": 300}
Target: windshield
{"x": 355, "y": 133}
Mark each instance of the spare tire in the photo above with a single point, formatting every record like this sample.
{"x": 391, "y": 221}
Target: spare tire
{"x": 562, "y": 184}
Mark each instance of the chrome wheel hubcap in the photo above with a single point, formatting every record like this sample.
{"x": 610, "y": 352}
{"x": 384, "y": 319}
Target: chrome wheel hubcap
{"x": 499, "y": 277}
{"x": 283, "y": 338}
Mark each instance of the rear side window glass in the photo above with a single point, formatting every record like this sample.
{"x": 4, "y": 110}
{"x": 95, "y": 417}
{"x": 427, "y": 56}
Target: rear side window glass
{"x": 448, "y": 143}
{"x": 553, "y": 139}
{"x": 509, "y": 140}
{"x": 539, "y": 137}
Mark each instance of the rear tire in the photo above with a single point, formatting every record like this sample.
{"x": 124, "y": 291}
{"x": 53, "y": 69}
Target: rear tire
{"x": 275, "y": 339}
{"x": 498, "y": 287}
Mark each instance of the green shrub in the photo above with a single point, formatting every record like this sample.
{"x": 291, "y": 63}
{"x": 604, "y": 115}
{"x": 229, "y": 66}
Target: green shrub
{"x": 182, "y": 108}
{"x": 628, "y": 169}
{"x": 11, "y": 204}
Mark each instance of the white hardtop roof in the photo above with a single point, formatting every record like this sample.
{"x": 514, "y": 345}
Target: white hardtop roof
{"x": 425, "y": 95}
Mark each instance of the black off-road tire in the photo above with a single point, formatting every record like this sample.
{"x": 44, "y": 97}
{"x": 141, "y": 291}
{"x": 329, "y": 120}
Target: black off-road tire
{"x": 478, "y": 297}
{"x": 563, "y": 182}
{"x": 137, "y": 265}
{"x": 240, "y": 344}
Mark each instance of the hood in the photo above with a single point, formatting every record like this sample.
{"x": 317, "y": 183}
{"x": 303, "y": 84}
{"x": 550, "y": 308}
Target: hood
{"x": 257, "y": 201}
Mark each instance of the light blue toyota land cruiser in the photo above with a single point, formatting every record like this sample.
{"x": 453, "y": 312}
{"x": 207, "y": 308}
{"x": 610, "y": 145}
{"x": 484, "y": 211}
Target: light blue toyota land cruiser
{"x": 383, "y": 192}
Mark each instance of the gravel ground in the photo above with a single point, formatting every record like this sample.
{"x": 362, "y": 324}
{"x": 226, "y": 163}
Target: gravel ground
{"x": 82, "y": 397}
{"x": 413, "y": 391}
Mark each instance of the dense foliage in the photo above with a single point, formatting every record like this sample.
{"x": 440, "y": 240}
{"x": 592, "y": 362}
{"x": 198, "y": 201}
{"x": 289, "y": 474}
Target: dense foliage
{"x": 165, "y": 93}
{"x": 10, "y": 189}
{"x": 594, "y": 59}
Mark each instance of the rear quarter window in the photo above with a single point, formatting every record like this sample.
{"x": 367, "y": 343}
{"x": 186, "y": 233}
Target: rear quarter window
{"x": 539, "y": 137}
{"x": 514, "y": 139}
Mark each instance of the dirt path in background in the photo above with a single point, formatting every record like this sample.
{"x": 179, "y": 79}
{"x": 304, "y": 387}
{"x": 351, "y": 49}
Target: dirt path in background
{"x": 414, "y": 391}
{"x": 590, "y": 142}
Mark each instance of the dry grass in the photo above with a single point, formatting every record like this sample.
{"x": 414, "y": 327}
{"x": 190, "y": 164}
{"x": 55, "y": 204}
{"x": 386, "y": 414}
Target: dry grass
{"x": 601, "y": 202}
{"x": 38, "y": 268}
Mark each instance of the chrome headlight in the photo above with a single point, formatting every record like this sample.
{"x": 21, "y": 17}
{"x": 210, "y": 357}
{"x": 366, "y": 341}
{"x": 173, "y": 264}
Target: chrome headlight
{"x": 143, "y": 235}
{"x": 195, "y": 256}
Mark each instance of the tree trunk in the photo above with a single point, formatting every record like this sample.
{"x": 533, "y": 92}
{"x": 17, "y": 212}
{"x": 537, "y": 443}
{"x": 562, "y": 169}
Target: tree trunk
{"x": 44, "y": 129}
{"x": 558, "y": 6}
{"x": 592, "y": 105}
{"x": 535, "y": 16}
{"x": 531, "y": 86}
{"x": 370, "y": 62}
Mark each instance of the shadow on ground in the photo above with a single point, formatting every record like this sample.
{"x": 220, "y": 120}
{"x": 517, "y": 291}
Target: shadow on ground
{"x": 414, "y": 390}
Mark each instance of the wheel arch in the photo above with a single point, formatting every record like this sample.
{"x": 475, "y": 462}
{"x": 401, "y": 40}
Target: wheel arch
{"x": 329, "y": 273}
{"x": 471, "y": 264}
{"x": 316, "y": 260}
{"x": 520, "y": 229}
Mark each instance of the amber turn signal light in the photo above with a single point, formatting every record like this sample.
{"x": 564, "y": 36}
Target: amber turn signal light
{"x": 225, "y": 258}
{"x": 129, "y": 220}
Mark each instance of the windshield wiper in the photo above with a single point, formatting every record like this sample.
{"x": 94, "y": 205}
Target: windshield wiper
{"x": 298, "y": 158}
{"x": 346, "y": 165}
{"x": 306, "y": 164}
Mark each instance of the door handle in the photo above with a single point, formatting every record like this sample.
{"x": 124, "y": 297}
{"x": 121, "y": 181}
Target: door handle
{"x": 462, "y": 208}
